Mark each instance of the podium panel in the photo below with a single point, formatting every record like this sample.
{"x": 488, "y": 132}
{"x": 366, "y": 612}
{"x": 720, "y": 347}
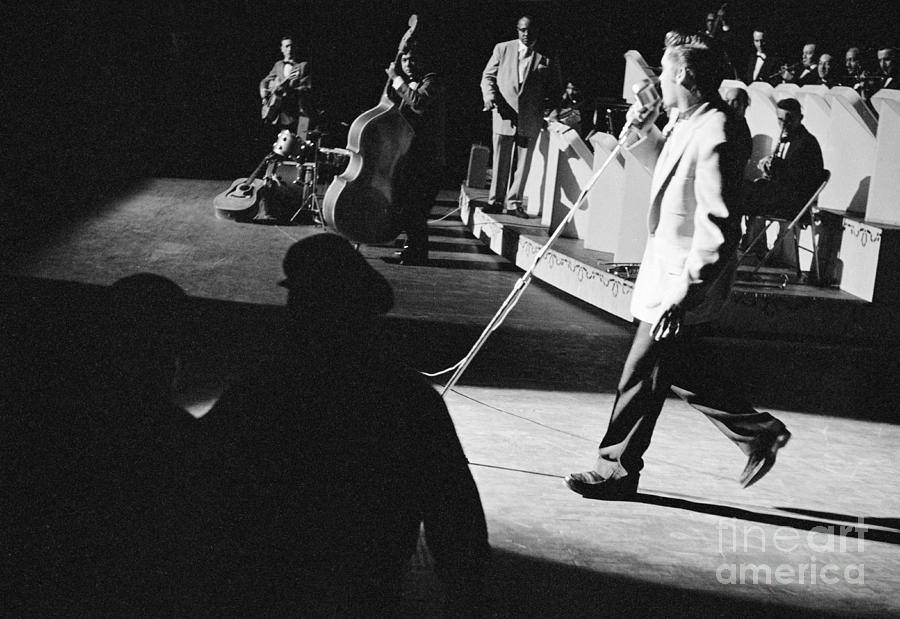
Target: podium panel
{"x": 636, "y": 71}
{"x": 816, "y": 114}
{"x": 569, "y": 168}
{"x": 762, "y": 87}
{"x": 785, "y": 90}
{"x": 849, "y": 152}
{"x": 884, "y": 191}
{"x": 869, "y": 260}
{"x": 633, "y": 224}
{"x": 606, "y": 198}
{"x": 764, "y": 126}
{"x": 533, "y": 198}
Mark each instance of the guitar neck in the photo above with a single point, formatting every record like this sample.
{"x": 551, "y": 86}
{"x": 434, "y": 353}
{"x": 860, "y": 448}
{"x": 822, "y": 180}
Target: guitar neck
{"x": 259, "y": 169}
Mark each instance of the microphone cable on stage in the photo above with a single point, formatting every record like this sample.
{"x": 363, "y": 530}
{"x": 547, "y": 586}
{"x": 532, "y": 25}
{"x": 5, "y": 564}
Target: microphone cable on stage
{"x": 445, "y": 216}
{"x": 648, "y": 95}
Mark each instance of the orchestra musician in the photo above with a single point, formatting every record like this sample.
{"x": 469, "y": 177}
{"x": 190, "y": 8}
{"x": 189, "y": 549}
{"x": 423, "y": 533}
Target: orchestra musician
{"x": 762, "y": 65}
{"x": 855, "y": 75}
{"x": 286, "y": 92}
{"x": 827, "y": 75}
{"x": 888, "y": 66}
{"x": 809, "y": 69}
{"x": 853, "y": 69}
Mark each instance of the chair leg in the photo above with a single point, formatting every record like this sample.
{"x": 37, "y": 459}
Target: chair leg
{"x": 776, "y": 245}
{"x": 815, "y": 248}
{"x": 761, "y": 235}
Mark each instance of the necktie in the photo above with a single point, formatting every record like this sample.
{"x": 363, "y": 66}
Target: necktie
{"x": 524, "y": 57}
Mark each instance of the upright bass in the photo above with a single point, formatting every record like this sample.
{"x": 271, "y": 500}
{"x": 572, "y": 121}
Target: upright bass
{"x": 359, "y": 203}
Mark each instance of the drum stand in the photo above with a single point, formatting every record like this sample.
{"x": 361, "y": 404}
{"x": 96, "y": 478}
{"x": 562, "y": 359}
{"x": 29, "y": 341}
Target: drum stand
{"x": 310, "y": 189}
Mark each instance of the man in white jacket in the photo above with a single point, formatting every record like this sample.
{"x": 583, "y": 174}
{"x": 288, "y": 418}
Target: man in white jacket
{"x": 685, "y": 277}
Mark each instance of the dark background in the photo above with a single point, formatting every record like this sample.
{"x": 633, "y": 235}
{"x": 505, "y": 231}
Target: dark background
{"x": 101, "y": 93}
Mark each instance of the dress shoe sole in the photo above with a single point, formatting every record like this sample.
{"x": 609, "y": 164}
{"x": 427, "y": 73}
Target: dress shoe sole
{"x": 603, "y": 491}
{"x": 748, "y": 478}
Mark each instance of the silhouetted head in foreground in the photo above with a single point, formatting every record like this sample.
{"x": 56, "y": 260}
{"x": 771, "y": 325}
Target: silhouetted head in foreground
{"x": 148, "y": 333}
{"x": 330, "y": 283}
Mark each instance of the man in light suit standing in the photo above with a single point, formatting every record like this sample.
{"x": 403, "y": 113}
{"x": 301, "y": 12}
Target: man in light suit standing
{"x": 514, "y": 85}
{"x": 685, "y": 277}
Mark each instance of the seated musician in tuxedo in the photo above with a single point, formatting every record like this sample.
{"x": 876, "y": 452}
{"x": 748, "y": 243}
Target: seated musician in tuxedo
{"x": 286, "y": 92}
{"x": 791, "y": 174}
{"x": 827, "y": 73}
{"x": 888, "y": 66}
{"x": 573, "y": 110}
{"x": 808, "y": 71}
{"x": 763, "y": 65}
{"x": 856, "y": 76}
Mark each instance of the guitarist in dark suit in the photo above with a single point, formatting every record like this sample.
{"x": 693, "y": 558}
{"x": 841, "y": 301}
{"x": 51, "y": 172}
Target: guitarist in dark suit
{"x": 286, "y": 93}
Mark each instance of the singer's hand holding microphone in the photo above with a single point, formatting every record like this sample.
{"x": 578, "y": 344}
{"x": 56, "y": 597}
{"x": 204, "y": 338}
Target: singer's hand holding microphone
{"x": 645, "y": 109}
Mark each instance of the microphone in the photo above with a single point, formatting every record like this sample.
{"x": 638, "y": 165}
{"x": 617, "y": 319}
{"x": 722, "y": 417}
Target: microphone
{"x": 649, "y": 97}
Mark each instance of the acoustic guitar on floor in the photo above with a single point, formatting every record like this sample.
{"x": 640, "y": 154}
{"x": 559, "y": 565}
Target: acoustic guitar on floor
{"x": 239, "y": 200}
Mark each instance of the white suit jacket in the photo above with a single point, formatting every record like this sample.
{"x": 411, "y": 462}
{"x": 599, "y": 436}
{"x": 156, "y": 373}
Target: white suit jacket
{"x": 500, "y": 79}
{"x": 690, "y": 257}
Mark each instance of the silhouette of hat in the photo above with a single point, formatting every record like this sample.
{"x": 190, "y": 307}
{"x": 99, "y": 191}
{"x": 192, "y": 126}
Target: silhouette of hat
{"x": 325, "y": 270}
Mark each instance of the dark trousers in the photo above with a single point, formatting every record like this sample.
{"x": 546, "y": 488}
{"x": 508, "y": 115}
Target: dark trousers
{"x": 417, "y": 195}
{"x": 651, "y": 369}
{"x": 767, "y": 198}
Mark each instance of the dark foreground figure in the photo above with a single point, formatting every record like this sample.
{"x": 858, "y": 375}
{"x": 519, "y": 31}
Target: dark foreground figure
{"x": 332, "y": 456}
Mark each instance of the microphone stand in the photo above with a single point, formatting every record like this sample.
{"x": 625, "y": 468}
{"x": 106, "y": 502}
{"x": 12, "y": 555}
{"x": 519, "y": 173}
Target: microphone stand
{"x": 522, "y": 283}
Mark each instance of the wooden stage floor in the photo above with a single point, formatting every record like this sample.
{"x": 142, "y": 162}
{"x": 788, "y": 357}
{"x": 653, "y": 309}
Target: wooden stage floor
{"x": 820, "y": 535}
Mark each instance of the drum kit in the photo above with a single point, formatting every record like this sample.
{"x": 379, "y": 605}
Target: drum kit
{"x": 297, "y": 167}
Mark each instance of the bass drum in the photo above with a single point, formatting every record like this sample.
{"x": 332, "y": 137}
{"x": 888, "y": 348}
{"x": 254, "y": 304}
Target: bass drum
{"x": 286, "y": 173}
{"x": 332, "y": 161}
{"x": 283, "y": 193}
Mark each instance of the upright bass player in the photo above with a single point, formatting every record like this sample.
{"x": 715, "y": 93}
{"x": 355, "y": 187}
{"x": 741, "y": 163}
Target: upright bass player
{"x": 421, "y": 99}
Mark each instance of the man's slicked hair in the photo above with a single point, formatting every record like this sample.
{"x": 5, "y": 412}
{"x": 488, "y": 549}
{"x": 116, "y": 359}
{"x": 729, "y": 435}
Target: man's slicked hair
{"x": 702, "y": 56}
